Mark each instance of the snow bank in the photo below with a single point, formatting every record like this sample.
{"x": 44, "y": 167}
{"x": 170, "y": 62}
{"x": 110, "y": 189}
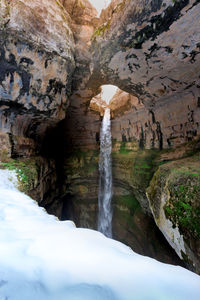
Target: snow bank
{"x": 43, "y": 258}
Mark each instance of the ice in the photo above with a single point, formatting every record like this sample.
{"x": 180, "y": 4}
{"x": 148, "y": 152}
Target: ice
{"x": 44, "y": 258}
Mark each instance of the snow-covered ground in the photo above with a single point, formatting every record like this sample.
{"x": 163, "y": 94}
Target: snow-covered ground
{"x": 44, "y": 258}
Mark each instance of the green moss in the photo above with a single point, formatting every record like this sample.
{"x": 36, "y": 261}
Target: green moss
{"x": 92, "y": 168}
{"x": 181, "y": 181}
{"x": 4, "y": 155}
{"x": 135, "y": 167}
{"x": 144, "y": 166}
{"x": 82, "y": 5}
{"x": 60, "y": 5}
{"x": 123, "y": 148}
{"x": 183, "y": 209}
{"x": 4, "y": 17}
{"x": 153, "y": 187}
{"x": 128, "y": 201}
{"x": 81, "y": 163}
{"x": 100, "y": 31}
{"x": 126, "y": 208}
{"x": 27, "y": 172}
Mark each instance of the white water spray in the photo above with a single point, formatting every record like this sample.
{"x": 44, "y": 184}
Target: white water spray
{"x": 105, "y": 178}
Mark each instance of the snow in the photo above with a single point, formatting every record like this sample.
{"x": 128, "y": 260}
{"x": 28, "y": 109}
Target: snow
{"x": 44, "y": 258}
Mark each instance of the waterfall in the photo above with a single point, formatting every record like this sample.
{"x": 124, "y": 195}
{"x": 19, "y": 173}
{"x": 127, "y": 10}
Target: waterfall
{"x": 105, "y": 177}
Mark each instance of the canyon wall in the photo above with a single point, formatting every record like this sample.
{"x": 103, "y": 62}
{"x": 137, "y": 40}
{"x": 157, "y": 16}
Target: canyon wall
{"x": 36, "y": 67}
{"x": 150, "y": 50}
{"x": 37, "y": 63}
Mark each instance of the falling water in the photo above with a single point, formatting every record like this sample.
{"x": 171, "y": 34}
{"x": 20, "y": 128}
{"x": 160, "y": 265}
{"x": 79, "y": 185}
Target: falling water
{"x": 105, "y": 178}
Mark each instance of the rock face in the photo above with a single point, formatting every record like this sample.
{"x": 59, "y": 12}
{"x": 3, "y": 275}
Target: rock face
{"x": 5, "y": 146}
{"x": 146, "y": 49}
{"x": 167, "y": 125}
{"x": 84, "y": 20}
{"x": 174, "y": 198}
{"x": 36, "y": 63}
{"x": 106, "y": 13}
{"x": 123, "y": 103}
{"x": 98, "y": 104}
{"x": 36, "y": 67}
{"x": 149, "y": 54}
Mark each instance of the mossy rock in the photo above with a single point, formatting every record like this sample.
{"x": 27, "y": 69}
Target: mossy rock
{"x": 27, "y": 171}
{"x": 81, "y": 163}
{"x": 127, "y": 201}
{"x": 183, "y": 208}
{"x": 4, "y": 155}
{"x": 178, "y": 182}
{"x": 140, "y": 165}
{"x": 101, "y": 30}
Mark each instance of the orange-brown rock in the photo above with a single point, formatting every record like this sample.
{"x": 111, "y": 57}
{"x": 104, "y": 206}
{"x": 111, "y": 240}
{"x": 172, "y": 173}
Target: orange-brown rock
{"x": 106, "y": 14}
{"x": 98, "y": 104}
{"x": 81, "y": 11}
{"x": 122, "y": 103}
{"x": 83, "y": 19}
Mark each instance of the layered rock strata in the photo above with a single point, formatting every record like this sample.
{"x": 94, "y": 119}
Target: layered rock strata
{"x": 36, "y": 63}
{"x": 150, "y": 49}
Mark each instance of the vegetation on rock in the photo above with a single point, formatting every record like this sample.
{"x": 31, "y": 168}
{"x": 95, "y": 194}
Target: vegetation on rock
{"x": 183, "y": 208}
{"x": 174, "y": 194}
{"x": 27, "y": 172}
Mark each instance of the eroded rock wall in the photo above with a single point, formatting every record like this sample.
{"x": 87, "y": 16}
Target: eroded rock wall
{"x": 167, "y": 125}
{"x": 150, "y": 49}
{"x": 36, "y": 67}
{"x": 36, "y": 63}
